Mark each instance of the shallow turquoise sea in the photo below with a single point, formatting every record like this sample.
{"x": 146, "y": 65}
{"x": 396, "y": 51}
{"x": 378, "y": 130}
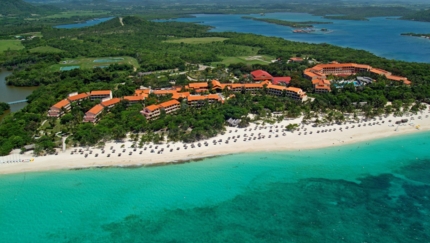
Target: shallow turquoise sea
{"x": 377, "y": 191}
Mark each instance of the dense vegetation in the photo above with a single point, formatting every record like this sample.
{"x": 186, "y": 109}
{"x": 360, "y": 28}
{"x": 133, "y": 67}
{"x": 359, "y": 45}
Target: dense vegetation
{"x": 423, "y": 15}
{"x": 19, "y": 7}
{"x": 3, "y": 107}
{"x": 146, "y": 41}
{"x": 305, "y": 24}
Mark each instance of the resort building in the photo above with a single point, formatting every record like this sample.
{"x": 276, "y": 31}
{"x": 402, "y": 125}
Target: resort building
{"x": 296, "y": 59}
{"x": 142, "y": 92}
{"x": 295, "y": 93}
{"x": 91, "y": 115}
{"x": 151, "y": 112}
{"x": 170, "y": 106}
{"x": 261, "y": 75}
{"x": 200, "y": 100}
{"x": 59, "y": 108}
{"x": 321, "y": 71}
{"x": 162, "y": 92}
{"x": 321, "y": 85}
{"x": 100, "y": 94}
{"x": 182, "y": 95}
{"x": 110, "y": 103}
{"x": 281, "y": 81}
{"x": 291, "y": 92}
{"x": 74, "y": 97}
{"x": 135, "y": 99}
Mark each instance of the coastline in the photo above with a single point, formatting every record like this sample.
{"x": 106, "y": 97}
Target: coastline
{"x": 292, "y": 141}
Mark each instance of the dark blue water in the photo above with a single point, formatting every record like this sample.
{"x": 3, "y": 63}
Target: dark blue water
{"x": 84, "y": 24}
{"x": 380, "y": 36}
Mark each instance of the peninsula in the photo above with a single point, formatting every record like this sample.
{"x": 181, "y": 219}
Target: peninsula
{"x": 304, "y": 24}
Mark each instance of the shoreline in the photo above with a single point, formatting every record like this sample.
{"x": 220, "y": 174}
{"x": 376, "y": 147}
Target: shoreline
{"x": 272, "y": 139}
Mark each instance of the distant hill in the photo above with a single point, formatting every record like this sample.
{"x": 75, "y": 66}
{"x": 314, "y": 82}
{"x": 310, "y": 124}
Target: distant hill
{"x": 19, "y": 7}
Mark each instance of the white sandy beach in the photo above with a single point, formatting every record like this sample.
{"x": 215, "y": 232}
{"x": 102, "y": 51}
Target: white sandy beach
{"x": 275, "y": 139}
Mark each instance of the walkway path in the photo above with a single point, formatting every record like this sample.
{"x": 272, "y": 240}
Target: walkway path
{"x": 120, "y": 20}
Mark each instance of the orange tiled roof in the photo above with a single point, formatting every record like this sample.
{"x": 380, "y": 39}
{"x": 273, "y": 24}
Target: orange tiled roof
{"x": 278, "y": 87}
{"x": 253, "y": 85}
{"x": 152, "y": 107}
{"x": 169, "y": 103}
{"x": 180, "y": 95}
{"x": 379, "y": 71}
{"x": 134, "y": 98}
{"x": 100, "y": 92}
{"x": 142, "y": 91}
{"x": 164, "y": 92}
{"x": 203, "y": 97}
{"x": 296, "y": 59}
{"x": 316, "y": 71}
{"x": 78, "y": 97}
{"x": 96, "y": 109}
{"x": 216, "y": 83}
{"x": 196, "y": 97}
{"x": 214, "y": 96}
{"x": 111, "y": 102}
{"x": 61, "y": 104}
{"x": 294, "y": 89}
{"x": 200, "y": 85}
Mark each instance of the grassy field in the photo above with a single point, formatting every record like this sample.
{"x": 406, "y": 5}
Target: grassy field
{"x": 45, "y": 49}
{"x": 88, "y": 63}
{"x": 197, "y": 40}
{"x": 256, "y": 59}
{"x": 10, "y": 44}
{"x": 82, "y": 13}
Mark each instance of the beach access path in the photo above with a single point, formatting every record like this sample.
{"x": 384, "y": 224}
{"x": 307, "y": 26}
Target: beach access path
{"x": 259, "y": 138}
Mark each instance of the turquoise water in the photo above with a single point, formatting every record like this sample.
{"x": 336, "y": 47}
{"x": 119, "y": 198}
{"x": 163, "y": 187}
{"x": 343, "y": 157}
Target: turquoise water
{"x": 370, "y": 192}
{"x": 84, "y": 24}
{"x": 380, "y": 35}
{"x": 68, "y": 68}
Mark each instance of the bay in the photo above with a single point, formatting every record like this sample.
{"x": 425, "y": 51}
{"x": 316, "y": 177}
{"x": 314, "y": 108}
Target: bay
{"x": 380, "y": 35}
{"x": 377, "y": 191}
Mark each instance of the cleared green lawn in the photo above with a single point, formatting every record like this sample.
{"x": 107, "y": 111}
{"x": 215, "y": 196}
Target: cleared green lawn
{"x": 88, "y": 63}
{"x": 10, "y": 45}
{"x": 83, "y": 13}
{"x": 46, "y": 49}
{"x": 197, "y": 40}
{"x": 257, "y": 59}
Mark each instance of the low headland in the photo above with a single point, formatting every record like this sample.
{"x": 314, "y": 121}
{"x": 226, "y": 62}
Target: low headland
{"x": 304, "y": 24}
{"x": 426, "y": 36}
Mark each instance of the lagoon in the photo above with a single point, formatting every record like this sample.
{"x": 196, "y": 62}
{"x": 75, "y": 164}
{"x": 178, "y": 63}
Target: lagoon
{"x": 380, "y": 35}
{"x": 12, "y": 93}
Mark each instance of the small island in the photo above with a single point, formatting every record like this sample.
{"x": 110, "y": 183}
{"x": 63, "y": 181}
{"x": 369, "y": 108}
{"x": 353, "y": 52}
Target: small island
{"x": 305, "y": 24}
{"x": 346, "y": 17}
{"x": 426, "y": 36}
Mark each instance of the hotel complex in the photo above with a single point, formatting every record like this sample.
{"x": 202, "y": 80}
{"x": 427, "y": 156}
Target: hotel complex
{"x": 200, "y": 97}
{"x": 318, "y": 74}
{"x": 198, "y": 94}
